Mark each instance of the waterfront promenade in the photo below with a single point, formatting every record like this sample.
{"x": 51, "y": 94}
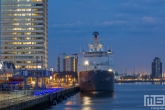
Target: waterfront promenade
{"x": 13, "y": 97}
{"x": 8, "y": 100}
{"x": 28, "y": 99}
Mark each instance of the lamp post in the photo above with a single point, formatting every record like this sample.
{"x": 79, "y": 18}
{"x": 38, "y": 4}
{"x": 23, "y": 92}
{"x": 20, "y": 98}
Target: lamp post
{"x": 66, "y": 78}
{"x": 36, "y": 73}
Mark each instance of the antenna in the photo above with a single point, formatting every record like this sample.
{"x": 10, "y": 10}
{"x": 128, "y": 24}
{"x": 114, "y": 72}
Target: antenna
{"x": 80, "y": 49}
{"x": 95, "y": 34}
{"x": 121, "y": 71}
{"x": 125, "y": 71}
{"x": 134, "y": 71}
{"x": 141, "y": 70}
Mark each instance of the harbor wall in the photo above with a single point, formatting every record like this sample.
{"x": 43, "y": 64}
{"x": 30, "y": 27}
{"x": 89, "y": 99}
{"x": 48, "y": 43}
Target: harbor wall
{"x": 43, "y": 100}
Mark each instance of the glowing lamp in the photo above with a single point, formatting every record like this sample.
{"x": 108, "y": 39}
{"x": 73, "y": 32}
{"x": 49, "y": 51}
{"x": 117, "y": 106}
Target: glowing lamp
{"x": 110, "y": 70}
{"x": 86, "y": 63}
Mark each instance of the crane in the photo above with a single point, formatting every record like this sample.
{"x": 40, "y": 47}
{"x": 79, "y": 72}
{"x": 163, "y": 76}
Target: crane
{"x": 121, "y": 72}
{"x": 141, "y": 70}
{"x": 134, "y": 71}
{"x": 125, "y": 71}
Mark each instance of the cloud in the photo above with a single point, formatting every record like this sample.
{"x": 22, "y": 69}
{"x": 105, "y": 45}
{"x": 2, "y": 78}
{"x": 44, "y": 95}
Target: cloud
{"x": 128, "y": 4}
{"x": 107, "y": 23}
{"x": 148, "y": 19}
{"x": 69, "y": 25}
{"x": 110, "y": 23}
{"x": 77, "y": 23}
{"x": 119, "y": 15}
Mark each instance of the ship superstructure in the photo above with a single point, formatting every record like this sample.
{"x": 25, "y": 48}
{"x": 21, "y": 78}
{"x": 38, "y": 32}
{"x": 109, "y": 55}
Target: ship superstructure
{"x": 95, "y": 68}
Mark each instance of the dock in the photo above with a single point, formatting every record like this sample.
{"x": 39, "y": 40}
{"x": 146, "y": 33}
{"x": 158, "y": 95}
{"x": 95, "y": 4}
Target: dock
{"x": 51, "y": 96}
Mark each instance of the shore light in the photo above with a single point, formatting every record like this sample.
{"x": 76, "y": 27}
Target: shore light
{"x": 86, "y": 63}
{"x": 110, "y": 70}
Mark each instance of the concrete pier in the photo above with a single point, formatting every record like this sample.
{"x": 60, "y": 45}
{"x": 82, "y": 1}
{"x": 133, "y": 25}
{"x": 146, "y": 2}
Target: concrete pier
{"x": 32, "y": 101}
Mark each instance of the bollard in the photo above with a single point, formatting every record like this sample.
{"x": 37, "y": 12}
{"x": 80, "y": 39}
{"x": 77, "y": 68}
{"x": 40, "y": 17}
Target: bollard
{"x": 54, "y": 102}
{"x": 72, "y": 94}
{"x": 65, "y": 97}
{"x": 68, "y": 95}
{"x": 60, "y": 100}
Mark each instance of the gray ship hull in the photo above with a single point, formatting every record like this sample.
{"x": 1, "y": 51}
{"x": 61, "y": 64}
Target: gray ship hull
{"x": 96, "y": 81}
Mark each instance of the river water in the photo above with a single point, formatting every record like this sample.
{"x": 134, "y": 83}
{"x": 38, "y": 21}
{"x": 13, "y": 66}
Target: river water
{"x": 127, "y": 96}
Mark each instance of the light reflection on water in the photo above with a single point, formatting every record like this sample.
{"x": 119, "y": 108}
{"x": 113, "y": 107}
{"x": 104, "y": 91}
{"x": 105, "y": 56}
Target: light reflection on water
{"x": 162, "y": 83}
{"x": 88, "y": 98}
{"x": 127, "y": 96}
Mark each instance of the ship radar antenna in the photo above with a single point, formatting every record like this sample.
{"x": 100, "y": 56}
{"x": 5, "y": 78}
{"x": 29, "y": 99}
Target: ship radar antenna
{"x": 109, "y": 49}
{"x": 95, "y": 34}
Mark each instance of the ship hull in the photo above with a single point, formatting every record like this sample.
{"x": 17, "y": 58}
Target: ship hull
{"x": 96, "y": 81}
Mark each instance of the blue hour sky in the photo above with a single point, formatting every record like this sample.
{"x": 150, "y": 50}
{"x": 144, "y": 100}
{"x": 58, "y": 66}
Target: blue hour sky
{"x": 134, "y": 28}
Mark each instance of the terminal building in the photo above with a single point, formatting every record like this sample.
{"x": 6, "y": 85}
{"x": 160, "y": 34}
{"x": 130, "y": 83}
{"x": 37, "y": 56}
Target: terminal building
{"x": 7, "y": 69}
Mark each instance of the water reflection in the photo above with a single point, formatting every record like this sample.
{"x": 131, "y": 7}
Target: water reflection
{"x": 156, "y": 82}
{"x": 140, "y": 83}
{"x": 97, "y": 96}
{"x": 163, "y": 83}
{"x": 126, "y": 97}
{"x": 90, "y": 100}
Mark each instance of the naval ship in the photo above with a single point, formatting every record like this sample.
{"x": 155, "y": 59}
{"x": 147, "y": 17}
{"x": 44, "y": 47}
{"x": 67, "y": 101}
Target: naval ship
{"x": 96, "y": 68}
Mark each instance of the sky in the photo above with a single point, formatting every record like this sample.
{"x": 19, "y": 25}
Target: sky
{"x": 135, "y": 29}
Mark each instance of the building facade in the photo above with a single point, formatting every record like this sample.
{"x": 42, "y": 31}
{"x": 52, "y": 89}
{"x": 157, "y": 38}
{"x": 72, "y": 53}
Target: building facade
{"x": 60, "y": 62}
{"x": 23, "y": 33}
{"x": 156, "y": 68}
{"x": 66, "y": 63}
{"x": 70, "y": 64}
{"x": 7, "y": 69}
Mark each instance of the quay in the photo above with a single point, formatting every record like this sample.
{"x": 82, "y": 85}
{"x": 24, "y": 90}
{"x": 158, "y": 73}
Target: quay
{"x": 34, "y": 89}
{"x": 132, "y": 81}
{"x": 37, "y": 98}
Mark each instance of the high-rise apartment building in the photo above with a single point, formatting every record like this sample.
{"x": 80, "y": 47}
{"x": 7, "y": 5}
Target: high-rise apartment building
{"x": 60, "y": 59}
{"x": 70, "y": 64}
{"x": 66, "y": 63}
{"x": 156, "y": 68}
{"x": 23, "y": 33}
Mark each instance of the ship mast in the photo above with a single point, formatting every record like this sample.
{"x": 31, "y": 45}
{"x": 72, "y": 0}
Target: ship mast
{"x": 95, "y": 39}
{"x": 95, "y": 35}
{"x": 96, "y": 46}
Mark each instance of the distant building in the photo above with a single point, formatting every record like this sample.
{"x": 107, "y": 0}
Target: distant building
{"x": 156, "y": 68}
{"x": 60, "y": 62}
{"x": 163, "y": 75}
{"x": 66, "y": 63}
{"x": 70, "y": 63}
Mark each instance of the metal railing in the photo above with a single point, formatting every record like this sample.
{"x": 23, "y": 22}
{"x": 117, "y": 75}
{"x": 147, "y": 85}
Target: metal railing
{"x": 14, "y": 94}
{"x": 3, "y": 78}
{"x": 11, "y": 97}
